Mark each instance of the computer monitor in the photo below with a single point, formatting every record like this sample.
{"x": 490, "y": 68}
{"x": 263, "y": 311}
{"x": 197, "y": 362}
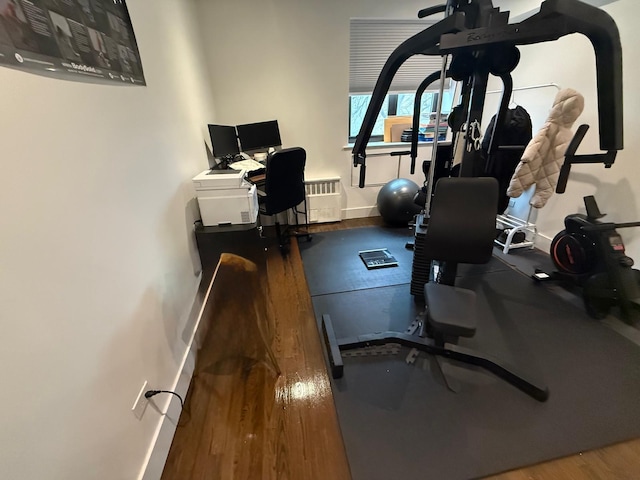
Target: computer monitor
{"x": 224, "y": 141}
{"x": 258, "y": 136}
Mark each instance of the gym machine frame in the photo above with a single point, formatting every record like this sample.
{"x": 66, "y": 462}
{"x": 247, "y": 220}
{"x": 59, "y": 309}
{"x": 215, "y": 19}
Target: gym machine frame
{"x": 481, "y": 41}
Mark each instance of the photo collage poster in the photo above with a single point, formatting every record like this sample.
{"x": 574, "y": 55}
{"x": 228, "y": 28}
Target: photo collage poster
{"x": 83, "y": 40}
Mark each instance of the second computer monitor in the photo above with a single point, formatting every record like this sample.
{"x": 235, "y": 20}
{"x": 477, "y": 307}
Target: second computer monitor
{"x": 224, "y": 141}
{"x": 259, "y": 136}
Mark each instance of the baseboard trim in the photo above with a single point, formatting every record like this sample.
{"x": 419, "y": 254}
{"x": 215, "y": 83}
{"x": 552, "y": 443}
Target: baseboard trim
{"x": 156, "y": 458}
{"x": 542, "y": 242}
{"x": 360, "y": 212}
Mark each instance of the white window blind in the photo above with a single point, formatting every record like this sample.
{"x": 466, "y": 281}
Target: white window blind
{"x": 373, "y": 40}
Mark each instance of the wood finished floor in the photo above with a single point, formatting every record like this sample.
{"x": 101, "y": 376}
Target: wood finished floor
{"x": 316, "y": 450}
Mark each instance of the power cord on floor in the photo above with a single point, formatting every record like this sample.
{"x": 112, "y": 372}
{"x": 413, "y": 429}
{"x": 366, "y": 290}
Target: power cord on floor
{"x": 152, "y": 393}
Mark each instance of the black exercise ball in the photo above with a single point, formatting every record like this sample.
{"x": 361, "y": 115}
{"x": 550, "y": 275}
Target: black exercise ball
{"x": 395, "y": 201}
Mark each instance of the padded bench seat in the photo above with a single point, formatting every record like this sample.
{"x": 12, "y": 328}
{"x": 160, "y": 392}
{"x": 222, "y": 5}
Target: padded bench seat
{"x": 451, "y": 310}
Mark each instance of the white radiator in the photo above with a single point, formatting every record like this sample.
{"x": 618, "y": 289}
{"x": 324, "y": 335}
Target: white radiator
{"x": 324, "y": 200}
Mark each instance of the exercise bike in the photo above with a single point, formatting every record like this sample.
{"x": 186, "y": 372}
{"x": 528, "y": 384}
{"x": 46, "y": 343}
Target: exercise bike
{"x": 591, "y": 255}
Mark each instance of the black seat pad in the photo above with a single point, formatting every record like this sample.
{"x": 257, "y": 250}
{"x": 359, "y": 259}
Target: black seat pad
{"x": 451, "y": 310}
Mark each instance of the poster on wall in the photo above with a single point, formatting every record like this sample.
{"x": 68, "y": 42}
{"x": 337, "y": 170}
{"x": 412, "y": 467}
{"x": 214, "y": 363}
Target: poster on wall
{"x": 83, "y": 40}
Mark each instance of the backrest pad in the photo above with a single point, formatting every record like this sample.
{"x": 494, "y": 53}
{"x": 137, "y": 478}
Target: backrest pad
{"x": 462, "y": 225}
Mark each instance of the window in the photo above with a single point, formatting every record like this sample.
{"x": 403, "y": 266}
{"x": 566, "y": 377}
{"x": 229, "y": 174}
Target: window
{"x": 358, "y": 105}
{"x": 400, "y": 104}
{"x": 371, "y": 43}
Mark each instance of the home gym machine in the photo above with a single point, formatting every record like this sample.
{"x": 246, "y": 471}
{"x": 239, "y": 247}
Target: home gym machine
{"x": 479, "y": 41}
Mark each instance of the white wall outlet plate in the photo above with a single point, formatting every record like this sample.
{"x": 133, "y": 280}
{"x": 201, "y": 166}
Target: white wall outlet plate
{"x": 141, "y": 402}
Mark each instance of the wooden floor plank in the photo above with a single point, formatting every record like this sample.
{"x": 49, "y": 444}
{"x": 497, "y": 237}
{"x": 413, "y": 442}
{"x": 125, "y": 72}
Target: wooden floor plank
{"x": 248, "y": 422}
{"x": 301, "y": 437}
{"x": 617, "y": 462}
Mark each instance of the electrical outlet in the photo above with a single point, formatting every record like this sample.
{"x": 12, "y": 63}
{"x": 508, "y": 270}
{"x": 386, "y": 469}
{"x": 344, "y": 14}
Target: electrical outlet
{"x": 141, "y": 402}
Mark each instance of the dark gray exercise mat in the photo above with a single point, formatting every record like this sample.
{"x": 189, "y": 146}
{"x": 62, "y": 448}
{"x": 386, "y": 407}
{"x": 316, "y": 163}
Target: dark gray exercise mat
{"x": 332, "y": 265}
{"x": 400, "y": 421}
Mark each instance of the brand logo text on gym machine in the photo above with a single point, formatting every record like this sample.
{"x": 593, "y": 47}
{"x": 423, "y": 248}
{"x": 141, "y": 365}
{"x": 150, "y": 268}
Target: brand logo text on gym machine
{"x": 491, "y": 36}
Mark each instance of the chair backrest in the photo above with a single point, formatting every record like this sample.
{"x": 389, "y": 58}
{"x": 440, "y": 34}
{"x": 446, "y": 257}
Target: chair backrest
{"x": 462, "y": 225}
{"x": 284, "y": 183}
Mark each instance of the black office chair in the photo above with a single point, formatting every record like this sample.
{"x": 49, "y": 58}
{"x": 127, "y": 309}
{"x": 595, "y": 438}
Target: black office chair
{"x": 284, "y": 190}
{"x": 460, "y": 229}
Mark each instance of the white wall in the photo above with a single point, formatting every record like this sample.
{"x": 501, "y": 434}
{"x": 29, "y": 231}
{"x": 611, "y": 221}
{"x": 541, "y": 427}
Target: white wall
{"x": 289, "y": 60}
{"x": 98, "y": 269}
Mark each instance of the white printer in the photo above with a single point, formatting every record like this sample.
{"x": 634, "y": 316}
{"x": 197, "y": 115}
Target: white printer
{"x": 225, "y": 198}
